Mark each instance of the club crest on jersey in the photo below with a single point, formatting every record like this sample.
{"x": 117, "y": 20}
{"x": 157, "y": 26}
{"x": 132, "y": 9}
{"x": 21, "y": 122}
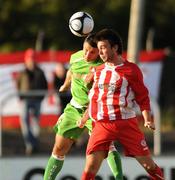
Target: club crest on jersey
{"x": 143, "y": 143}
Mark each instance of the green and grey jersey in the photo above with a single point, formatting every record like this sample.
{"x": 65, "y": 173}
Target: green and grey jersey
{"x": 79, "y": 68}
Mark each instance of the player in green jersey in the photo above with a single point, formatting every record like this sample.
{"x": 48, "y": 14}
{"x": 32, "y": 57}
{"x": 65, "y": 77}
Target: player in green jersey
{"x": 67, "y": 130}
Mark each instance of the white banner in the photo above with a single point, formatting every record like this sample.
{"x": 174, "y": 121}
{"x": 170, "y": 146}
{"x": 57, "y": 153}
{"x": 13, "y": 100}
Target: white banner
{"x": 8, "y": 92}
{"x": 9, "y": 99}
{"x": 152, "y": 77}
{"x": 31, "y": 168}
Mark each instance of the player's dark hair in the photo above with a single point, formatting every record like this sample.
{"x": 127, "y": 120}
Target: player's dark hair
{"x": 113, "y": 38}
{"x": 91, "y": 40}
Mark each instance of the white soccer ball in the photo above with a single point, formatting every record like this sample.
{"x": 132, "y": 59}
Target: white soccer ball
{"x": 81, "y": 24}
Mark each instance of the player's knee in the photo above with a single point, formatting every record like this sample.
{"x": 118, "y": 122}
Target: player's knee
{"x": 59, "y": 157}
{"x": 59, "y": 150}
{"x": 112, "y": 149}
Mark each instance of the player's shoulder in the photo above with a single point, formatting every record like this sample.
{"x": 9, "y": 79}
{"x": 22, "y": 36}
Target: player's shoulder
{"x": 77, "y": 53}
{"x": 77, "y": 56}
{"x": 131, "y": 65}
{"x": 131, "y": 69}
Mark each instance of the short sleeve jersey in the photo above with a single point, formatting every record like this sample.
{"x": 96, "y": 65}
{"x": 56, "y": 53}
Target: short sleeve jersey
{"x": 80, "y": 68}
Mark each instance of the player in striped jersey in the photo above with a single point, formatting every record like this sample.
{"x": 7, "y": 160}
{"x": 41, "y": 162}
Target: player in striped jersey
{"x": 117, "y": 87}
{"x": 67, "y": 131}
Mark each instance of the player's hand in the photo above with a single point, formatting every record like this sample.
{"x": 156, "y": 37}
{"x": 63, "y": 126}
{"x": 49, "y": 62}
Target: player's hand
{"x": 150, "y": 125}
{"x": 63, "y": 88}
{"x": 80, "y": 123}
{"x": 149, "y": 121}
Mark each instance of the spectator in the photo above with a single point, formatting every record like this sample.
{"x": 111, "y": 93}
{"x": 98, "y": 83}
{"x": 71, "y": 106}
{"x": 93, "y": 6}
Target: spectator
{"x": 59, "y": 77}
{"x": 32, "y": 85}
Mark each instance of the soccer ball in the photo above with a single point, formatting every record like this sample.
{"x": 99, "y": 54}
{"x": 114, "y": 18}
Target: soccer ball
{"x": 81, "y": 24}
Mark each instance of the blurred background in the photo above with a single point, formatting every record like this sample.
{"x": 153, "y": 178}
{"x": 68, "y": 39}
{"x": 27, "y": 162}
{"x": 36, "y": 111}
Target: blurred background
{"x": 25, "y": 22}
{"x": 43, "y": 26}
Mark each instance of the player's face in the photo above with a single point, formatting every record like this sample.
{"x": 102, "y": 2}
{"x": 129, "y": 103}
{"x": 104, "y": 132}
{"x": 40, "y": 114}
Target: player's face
{"x": 106, "y": 52}
{"x": 90, "y": 53}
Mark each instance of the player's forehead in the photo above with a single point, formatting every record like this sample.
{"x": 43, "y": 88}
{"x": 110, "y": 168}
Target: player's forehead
{"x": 88, "y": 47}
{"x": 103, "y": 43}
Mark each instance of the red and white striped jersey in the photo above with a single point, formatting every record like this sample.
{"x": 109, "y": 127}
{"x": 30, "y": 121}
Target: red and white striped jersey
{"x": 115, "y": 92}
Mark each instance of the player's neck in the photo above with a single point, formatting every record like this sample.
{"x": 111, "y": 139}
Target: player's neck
{"x": 116, "y": 61}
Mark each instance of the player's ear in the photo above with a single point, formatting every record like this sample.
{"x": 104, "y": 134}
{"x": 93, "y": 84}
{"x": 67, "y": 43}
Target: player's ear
{"x": 115, "y": 47}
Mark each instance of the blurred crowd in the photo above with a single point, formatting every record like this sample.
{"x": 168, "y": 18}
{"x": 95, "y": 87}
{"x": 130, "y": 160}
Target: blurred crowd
{"x": 32, "y": 88}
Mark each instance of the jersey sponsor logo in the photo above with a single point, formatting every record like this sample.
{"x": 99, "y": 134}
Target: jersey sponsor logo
{"x": 110, "y": 87}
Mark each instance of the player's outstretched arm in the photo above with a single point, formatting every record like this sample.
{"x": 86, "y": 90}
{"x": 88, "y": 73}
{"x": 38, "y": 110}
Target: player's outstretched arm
{"x": 67, "y": 82}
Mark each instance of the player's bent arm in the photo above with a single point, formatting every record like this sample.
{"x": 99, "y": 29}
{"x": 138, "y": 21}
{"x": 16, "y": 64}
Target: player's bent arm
{"x": 82, "y": 121}
{"x": 148, "y": 121}
{"x": 67, "y": 82}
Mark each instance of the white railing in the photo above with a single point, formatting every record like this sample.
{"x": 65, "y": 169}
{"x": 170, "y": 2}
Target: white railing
{"x": 15, "y": 94}
{"x": 2, "y": 103}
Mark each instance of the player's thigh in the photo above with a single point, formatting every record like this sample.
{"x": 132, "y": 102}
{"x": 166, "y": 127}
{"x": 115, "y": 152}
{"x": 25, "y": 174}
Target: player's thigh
{"x": 67, "y": 123}
{"x": 100, "y": 138}
{"x": 62, "y": 145}
{"x": 94, "y": 160}
{"x": 132, "y": 139}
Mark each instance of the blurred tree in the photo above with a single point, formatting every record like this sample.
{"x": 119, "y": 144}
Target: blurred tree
{"x": 22, "y": 20}
{"x": 160, "y": 17}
